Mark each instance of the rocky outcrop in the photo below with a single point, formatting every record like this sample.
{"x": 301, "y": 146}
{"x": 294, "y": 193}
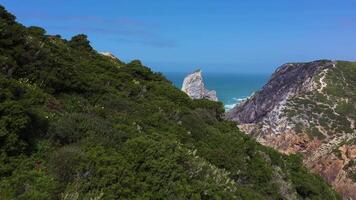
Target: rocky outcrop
{"x": 288, "y": 80}
{"x": 108, "y": 54}
{"x": 308, "y": 108}
{"x": 194, "y": 87}
{"x": 338, "y": 168}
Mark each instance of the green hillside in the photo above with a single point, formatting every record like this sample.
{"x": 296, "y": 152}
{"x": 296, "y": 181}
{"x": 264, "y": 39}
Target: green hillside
{"x": 332, "y": 108}
{"x": 79, "y": 125}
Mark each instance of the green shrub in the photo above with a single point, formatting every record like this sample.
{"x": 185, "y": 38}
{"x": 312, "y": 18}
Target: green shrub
{"x": 67, "y": 163}
{"x": 76, "y": 123}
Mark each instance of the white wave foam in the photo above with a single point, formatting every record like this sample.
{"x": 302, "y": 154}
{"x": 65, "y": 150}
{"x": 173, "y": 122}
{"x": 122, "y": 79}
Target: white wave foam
{"x": 229, "y": 106}
{"x": 237, "y": 101}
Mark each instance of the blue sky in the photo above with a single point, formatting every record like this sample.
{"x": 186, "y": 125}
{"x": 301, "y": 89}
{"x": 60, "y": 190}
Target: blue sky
{"x": 228, "y": 36}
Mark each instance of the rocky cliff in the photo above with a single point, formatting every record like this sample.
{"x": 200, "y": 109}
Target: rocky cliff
{"x": 308, "y": 108}
{"x": 193, "y": 85}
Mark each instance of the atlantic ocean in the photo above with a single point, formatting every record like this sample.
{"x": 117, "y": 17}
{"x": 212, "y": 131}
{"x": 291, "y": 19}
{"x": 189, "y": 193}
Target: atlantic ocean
{"x": 231, "y": 88}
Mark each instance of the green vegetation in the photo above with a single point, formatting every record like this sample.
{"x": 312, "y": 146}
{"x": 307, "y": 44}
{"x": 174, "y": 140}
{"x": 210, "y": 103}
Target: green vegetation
{"x": 337, "y": 151}
{"x": 332, "y": 108}
{"x": 79, "y": 125}
{"x": 351, "y": 166}
{"x": 353, "y": 176}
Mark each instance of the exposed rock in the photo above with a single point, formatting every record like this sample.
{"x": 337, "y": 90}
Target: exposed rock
{"x": 288, "y": 80}
{"x": 193, "y": 85}
{"x": 337, "y": 169}
{"x": 108, "y": 54}
{"x": 308, "y": 108}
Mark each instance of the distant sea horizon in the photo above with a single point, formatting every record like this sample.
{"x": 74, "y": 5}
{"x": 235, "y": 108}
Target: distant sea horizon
{"x": 231, "y": 88}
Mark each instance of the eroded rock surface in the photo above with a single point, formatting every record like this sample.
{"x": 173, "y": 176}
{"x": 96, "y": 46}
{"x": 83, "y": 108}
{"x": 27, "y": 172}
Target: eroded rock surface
{"x": 308, "y": 108}
{"x": 108, "y": 54}
{"x": 193, "y": 85}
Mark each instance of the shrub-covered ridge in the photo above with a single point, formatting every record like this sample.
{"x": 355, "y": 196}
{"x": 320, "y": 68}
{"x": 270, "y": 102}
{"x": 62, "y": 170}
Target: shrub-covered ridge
{"x": 79, "y": 125}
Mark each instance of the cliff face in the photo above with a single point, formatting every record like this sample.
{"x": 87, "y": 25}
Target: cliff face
{"x": 308, "y": 108}
{"x": 193, "y": 85}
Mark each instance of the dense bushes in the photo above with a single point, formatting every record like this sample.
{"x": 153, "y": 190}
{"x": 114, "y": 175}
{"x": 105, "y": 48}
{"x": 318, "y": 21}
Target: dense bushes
{"x": 79, "y": 125}
{"x": 81, "y": 42}
{"x": 20, "y": 122}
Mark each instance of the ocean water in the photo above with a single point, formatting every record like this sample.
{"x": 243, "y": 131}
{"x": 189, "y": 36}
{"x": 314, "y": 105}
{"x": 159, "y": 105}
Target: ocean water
{"x": 231, "y": 88}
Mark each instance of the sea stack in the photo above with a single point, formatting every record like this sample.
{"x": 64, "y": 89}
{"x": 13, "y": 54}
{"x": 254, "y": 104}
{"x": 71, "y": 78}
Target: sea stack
{"x": 194, "y": 87}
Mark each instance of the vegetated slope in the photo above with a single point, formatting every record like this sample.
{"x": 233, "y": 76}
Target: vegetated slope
{"x": 309, "y": 108}
{"x": 79, "y": 125}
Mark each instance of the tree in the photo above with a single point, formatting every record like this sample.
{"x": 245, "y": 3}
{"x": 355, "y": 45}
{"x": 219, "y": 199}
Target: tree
{"x": 80, "y": 41}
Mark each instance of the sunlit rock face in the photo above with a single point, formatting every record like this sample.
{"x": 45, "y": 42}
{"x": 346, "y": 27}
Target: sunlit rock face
{"x": 108, "y": 54}
{"x": 193, "y": 85}
{"x": 308, "y": 108}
